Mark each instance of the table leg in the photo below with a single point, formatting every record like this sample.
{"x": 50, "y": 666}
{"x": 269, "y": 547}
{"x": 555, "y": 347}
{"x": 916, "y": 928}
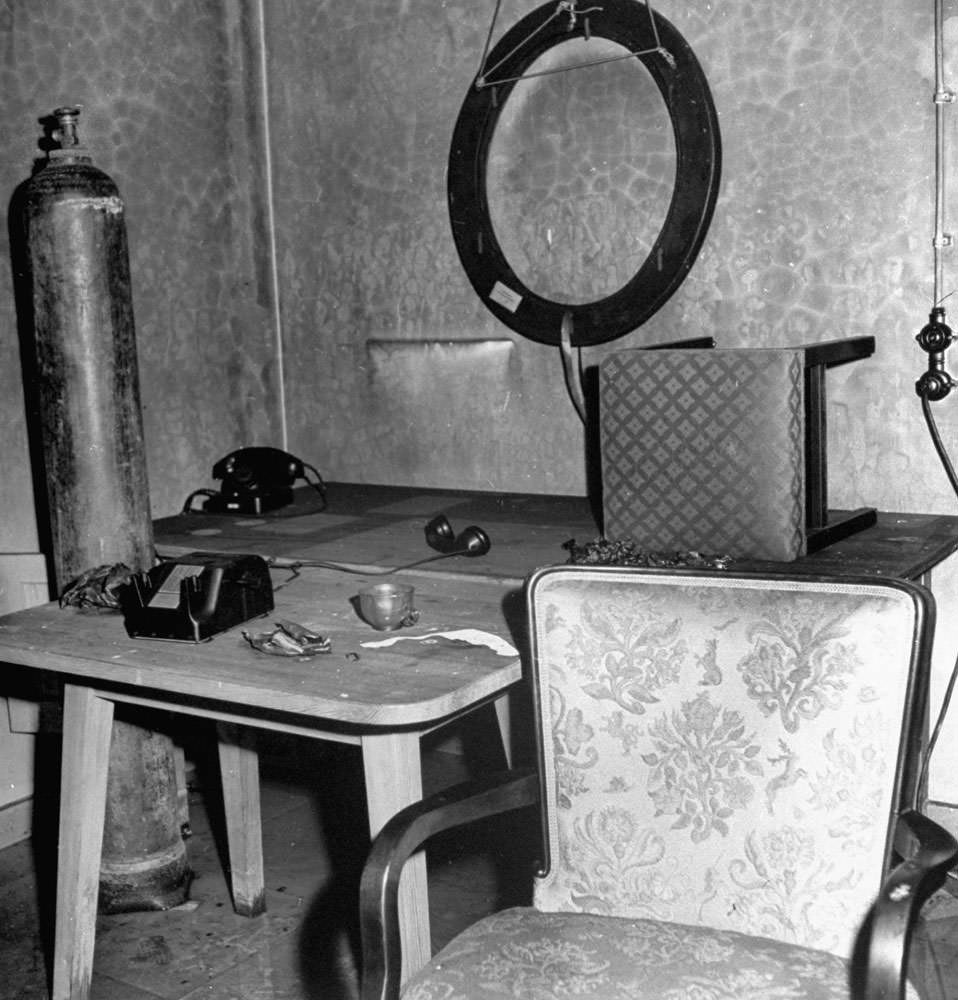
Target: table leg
{"x": 87, "y": 723}
{"x": 239, "y": 773}
{"x": 394, "y": 780}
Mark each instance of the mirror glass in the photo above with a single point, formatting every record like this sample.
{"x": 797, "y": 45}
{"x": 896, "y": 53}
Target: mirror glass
{"x": 580, "y": 172}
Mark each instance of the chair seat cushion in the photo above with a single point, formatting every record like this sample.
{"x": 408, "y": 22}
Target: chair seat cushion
{"x": 524, "y": 953}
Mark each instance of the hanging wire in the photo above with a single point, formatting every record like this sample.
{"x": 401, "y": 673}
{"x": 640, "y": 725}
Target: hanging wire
{"x": 486, "y": 47}
{"x": 570, "y": 8}
{"x": 943, "y": 96}
{"x": 937, "y": 442}
{"x": 572, "y": 366}
{"x": 940, "y": 240}
{"x": 481, "y": 79}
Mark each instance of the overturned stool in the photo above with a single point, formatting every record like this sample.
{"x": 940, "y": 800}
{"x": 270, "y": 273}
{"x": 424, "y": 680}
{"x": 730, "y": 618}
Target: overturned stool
{"x": 722, "y": 450}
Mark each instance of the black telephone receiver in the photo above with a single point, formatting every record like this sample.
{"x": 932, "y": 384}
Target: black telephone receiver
{"x": 256, "y": 468}
{"x": 255, "y": 480}
{"x": 471, "y": 541}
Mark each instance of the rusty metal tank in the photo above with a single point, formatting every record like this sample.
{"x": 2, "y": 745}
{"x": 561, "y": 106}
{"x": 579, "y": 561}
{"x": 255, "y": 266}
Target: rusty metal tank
{"x": 87, "y": 380}
{"x": 87, "y": 402}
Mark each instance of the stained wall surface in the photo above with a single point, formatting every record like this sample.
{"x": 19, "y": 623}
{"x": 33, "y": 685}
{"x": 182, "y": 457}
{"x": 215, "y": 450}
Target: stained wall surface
{"x": 169, "y": 93}
{"x": 823, "y": 229}
{"x": 295, "y": 280}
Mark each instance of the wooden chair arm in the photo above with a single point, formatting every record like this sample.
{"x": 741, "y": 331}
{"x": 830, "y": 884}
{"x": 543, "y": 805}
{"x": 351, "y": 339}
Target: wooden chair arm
{"x": 881, "y": 958}
{"x": 401, "y": 837}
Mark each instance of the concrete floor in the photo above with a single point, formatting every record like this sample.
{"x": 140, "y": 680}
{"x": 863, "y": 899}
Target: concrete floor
{"x": 306, "y": 945}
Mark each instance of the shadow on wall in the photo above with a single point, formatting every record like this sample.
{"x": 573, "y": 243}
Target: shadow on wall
{"x": 433, "y": 400}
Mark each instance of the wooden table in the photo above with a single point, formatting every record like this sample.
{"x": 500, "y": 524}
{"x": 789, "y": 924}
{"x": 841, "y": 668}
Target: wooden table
{"x": 381, "y": 699}
{"x": 383, "y": 525}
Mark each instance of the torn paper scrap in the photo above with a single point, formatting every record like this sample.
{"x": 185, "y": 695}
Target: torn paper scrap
{"x": 473, "y": 636}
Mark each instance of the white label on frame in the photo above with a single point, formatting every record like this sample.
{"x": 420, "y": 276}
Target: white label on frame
{"x": 506, "y": 297}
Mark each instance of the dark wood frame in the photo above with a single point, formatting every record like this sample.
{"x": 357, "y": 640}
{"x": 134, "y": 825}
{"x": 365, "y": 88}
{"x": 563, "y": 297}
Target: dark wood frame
{"x": 823, "y": 529}
{"x": 687, "y": 97}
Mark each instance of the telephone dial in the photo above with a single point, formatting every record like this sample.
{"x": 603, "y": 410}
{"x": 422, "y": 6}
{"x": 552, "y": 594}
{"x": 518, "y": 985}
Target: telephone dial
{"x": 256, "y": 480}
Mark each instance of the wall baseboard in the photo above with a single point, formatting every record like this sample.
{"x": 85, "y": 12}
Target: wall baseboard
{"x": 16, "y": 822}
{"x": 23, "y": 584}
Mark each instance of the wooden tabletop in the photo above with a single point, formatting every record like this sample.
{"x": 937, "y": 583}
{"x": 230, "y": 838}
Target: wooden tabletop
{"x": 383, "y": 525}
{"x": 407, "y": 684}
{"x": 372, "y": 526}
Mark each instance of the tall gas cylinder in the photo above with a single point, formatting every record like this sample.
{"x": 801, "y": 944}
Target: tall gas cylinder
{"x": 87, "y": 383}
{"x": 91, "y": 429}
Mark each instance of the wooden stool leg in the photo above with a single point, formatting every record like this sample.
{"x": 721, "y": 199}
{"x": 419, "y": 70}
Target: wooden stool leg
{"x": 393, "y": 770}
{"x": 87, "y": 721}
{"x": 503, "y": 705}
{"x": 239, "y": 772}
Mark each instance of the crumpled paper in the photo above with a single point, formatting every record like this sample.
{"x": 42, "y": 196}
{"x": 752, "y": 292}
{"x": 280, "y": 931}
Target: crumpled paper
{"x": 472, "y": 636}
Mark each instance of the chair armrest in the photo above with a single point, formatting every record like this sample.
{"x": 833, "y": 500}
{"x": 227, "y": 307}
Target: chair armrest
{"x": 927, "y": 851}
{"x": 401, "y": 837}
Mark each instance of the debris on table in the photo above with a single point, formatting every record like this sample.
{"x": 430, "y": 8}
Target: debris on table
{"x": 613, "y": 552}
{"x": 97, "y": 587}
{"x": 463, "y": 636}
{"x": 289, "y": 639}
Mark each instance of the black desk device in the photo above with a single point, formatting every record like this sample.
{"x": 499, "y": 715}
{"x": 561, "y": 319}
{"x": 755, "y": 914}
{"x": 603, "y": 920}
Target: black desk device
{"x": 196, "y": 596}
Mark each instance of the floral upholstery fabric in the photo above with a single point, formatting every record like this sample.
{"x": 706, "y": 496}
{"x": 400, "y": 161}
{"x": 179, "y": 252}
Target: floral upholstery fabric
{"x": 720, "y": 752}
{"x": 721, "y": 768}
{"x": 524, "y": 954}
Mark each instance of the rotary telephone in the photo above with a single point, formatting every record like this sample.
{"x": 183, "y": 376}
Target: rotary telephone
{"x": 256, "y": 480}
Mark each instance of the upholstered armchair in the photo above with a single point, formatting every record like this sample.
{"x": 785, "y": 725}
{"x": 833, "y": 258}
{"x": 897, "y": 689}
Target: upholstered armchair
{"x": 728, "y": 784}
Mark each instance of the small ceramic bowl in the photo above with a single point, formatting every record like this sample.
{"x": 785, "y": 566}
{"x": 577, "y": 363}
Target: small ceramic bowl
{"x": 386, "y": 606}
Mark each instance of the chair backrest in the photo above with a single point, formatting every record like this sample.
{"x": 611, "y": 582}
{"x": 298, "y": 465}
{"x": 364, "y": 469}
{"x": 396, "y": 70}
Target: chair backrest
{"x": 725, "y": 750}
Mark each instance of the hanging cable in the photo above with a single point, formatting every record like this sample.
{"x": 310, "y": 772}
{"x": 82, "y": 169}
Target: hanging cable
{"x": 572, "y": 366}
{"x": 485, "y": 49}
{"x": 943, "y": 96}
{"x": 935, "y": 338}
{"x": 937, "y": 442}
{"x": 482, "y": 79}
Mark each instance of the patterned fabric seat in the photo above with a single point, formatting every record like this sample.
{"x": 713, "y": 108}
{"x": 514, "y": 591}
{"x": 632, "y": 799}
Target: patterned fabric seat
{"x": 724, "y": 764}
{"x": 527, "y": 954}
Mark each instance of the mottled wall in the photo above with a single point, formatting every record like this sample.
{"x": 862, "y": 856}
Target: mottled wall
{"x": 581, "y": 171}
{"x": 170, "y": 95}
{"x": 823, "y": 229}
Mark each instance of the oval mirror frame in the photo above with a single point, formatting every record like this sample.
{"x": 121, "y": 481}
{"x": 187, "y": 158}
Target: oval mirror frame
{"x": 688, "y": 100}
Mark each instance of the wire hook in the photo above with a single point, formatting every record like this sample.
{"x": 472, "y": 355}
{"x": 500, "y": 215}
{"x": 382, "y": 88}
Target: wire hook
{"x": 572, "y": 10}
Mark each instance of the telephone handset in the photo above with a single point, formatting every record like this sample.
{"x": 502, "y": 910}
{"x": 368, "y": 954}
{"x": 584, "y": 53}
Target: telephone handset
{"x": 253, "y": 468}
{"x": 256, "y": 480}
